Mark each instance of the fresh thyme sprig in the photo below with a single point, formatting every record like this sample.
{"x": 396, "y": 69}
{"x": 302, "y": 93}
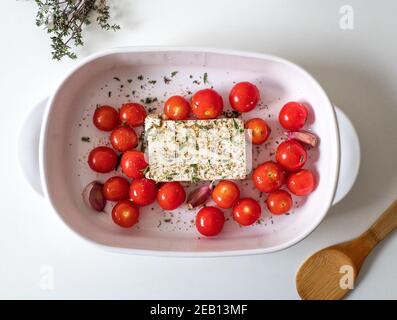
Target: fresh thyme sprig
{"x": 64, "y": 21}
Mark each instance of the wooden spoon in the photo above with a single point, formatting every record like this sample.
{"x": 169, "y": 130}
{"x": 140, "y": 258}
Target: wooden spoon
{"x": 326, "y": 275}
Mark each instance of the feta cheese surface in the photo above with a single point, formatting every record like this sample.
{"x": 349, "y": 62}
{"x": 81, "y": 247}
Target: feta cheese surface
{"x": 194, "y": 150}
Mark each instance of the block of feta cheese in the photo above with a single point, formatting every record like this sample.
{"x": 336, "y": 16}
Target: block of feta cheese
{"x": 195, "y": 150}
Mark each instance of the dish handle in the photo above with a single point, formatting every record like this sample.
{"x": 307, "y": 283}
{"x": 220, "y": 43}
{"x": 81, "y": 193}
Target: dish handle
{"x": 349, "y": 156}
{"x": 28, "y": 146}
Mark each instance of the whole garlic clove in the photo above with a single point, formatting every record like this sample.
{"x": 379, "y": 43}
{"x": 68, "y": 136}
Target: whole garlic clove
{"x": 304, "y": 137}
{"x": 93, "y": 196}
{"x": 199, "y": 196}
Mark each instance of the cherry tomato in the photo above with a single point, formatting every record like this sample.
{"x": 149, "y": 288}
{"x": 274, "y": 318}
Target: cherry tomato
{"x": 132, "y": 114}
{"x": 133, "y": 164}
{"x": 291, "y": 155}
{"x": 260, "y": 131}
{"x": 293, "y": 116}
{"x": 226, "y": 194}
{"x": 177, "y": 108}
{"x": 207, "y": 104}
{"x": 301, "y": 183}
{"x": 171, "y": 195}
{"x": 244, "y": 96}
{"x": 123, "y": 139}
{"x": 116, "y": 188}
{"x": 247, "y": 211}
{"x": 210, "y": 221}
{"x": 279, "y": 202}
{"x": 125, "y": 214}
{"x": 102, "y": 159}
{"x": 268, "y": 176}
{"x": 105, "y": 118}
{"x": 143, "y": 191}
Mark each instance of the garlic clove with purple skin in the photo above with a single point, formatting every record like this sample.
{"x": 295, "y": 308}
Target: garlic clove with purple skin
{"x": 93, "y": 196}
{"x": 304, "y": 137}
{"x": 199, "y": 196}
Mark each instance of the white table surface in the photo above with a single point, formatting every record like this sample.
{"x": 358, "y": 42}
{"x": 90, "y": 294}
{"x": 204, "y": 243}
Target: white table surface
{"x": 358, "y": 69}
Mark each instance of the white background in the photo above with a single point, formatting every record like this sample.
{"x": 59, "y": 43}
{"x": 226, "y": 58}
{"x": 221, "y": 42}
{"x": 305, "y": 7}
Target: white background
{"x": 357, "y": 68}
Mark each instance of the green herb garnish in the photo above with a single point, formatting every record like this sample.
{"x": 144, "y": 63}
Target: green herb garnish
{"x": 231, "y": 114}
{"x": 202, "y": 127}
{"x": 85, "y": 139}
{"x": 64, "y": 21}
{"x": 205, "y": 78}
{"x": 166, "y": 80}
{"x": 142, "y": 139}
{"x": 195, "y": 179}
{"x": 146, "y": 170}
{"x": 149, "y": 100}
{"x": 170, "y": 176}
{"x": 235, "y": 124}
{"x": 173, "y": 73}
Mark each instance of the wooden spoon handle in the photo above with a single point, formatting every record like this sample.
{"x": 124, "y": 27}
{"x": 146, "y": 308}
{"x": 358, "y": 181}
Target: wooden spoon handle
{"x": 385, "y": 224}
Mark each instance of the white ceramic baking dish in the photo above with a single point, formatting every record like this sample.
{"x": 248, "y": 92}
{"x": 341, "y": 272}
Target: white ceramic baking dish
{"x": 53, "y": 156}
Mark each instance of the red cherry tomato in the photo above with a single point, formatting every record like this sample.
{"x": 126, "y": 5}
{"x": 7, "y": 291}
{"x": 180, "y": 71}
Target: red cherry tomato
{"x": 177, "y": 108}
{"x": 210, "y": 221}
{"x": 116, "y": 189}
{"x": 260, "y": 131}
{"x": 301, "y": 183}
{"x": 125, "y": 214}
{"x": 293, "y": 116}
{"x": 226, "y": 194}
{"x": 132, "y": 114}
{"x": 171, "y": 195}
{"x": 268, "y": 176}
{"x": 244, "y": 96}
{"x": 133, "y": 164}
{"x": 105, "y": 118}
{"x": 207, "y": 104}
{"x": 102, "y": 159}
{"x": 291, "y": 155}
{"x": 143, "y": 191}
{"x": 123, "y": 139}
{"x": 279, "y": 202}
{"x": 247, "y": 211}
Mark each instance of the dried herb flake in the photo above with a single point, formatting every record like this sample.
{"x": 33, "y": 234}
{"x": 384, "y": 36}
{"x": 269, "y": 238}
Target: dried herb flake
{"x": 166, "y": 80}
{"x": 205, "y": 78}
